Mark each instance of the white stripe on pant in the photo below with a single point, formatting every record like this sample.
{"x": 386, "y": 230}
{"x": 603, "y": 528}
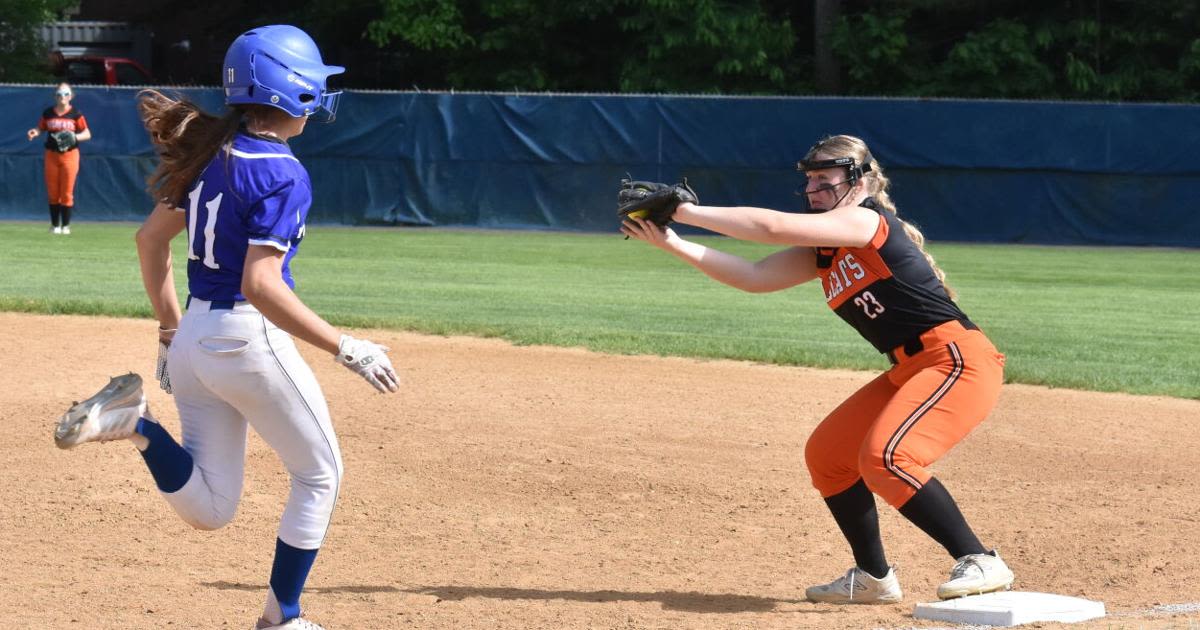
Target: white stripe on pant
{"x": 230, "y": 368}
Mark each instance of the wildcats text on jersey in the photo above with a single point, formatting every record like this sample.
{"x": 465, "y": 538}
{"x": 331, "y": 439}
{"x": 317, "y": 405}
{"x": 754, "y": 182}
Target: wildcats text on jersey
{"x": 842, "y": 275}
{"x": 849, "y": 272}
{"x": 885, "y": 289}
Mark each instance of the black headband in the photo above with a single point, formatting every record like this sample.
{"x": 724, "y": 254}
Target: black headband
{"x": 854, "y": 171}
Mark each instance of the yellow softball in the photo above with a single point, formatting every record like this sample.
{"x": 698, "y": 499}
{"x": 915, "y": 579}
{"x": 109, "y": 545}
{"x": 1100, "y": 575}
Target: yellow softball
{"x": 638, "y": 214}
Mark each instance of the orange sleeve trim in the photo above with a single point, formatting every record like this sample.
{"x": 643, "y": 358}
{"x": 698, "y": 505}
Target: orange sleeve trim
{"x": 81, "y": 123}
{"x": 881, "y": 233}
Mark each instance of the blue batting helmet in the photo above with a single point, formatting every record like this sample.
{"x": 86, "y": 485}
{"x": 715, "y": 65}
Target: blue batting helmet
{"x": 279, "y": 66}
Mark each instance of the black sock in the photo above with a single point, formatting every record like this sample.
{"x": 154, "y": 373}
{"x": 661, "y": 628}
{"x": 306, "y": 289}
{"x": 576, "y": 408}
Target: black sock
{"x": 66, "y": 215}
{"x": 855, "y": 513}
{"x": 55, "y": 215}
{"x": 934, "y": 511}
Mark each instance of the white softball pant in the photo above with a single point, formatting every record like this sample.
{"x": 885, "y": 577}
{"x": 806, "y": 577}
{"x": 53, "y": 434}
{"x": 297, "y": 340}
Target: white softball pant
{"x": 233, "y": 367}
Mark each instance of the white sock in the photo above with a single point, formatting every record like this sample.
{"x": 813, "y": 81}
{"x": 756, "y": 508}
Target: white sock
{"x": 271, "y": 611}
{"x": 140, "y": 441}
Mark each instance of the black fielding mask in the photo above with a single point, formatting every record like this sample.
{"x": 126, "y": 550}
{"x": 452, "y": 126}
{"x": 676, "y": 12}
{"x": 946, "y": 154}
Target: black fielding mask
{"x": 854, "y": 172}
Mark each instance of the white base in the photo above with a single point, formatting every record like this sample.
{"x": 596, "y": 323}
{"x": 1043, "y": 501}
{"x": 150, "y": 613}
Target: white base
{"x": 1010, "y": 608}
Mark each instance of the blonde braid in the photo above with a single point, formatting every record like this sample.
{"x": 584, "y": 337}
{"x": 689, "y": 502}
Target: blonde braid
{"x": 877, "y": 186}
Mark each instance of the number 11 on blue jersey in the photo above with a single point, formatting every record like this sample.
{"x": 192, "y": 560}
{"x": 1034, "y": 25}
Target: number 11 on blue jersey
{"x": 195, "y": 242}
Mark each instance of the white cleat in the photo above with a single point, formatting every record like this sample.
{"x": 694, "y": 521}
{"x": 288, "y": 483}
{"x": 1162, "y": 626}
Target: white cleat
{"x": 858, "y": 587}
{"x": 111, "y": 414}
{"x": 975, "y": 574}
{"x": 56, "y": 230}
{"x": 66, "y": 229}
{"x": 299, "y": 623}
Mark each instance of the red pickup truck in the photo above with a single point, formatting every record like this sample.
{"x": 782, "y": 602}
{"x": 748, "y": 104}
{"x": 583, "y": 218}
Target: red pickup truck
{"x": 98, "y": 70}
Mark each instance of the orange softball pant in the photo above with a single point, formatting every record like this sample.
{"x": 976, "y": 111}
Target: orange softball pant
{"x": 61, "y": 170}
{"x": 891, "y": 429}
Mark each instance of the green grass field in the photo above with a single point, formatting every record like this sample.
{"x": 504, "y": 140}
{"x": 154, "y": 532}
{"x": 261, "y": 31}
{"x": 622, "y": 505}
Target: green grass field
{"x": 1108, "y": 319}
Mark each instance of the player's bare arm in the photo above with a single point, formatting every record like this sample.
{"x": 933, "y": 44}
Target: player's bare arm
{"x": 846, "y": 226}
{"x": 263, "y": 286}
{"x": 781, "y": 270}
{"x": 154, "y": 255}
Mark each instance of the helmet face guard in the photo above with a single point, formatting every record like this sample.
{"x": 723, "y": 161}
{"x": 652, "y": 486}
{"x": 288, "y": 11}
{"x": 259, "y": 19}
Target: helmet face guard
{"x": 854, "y": 172}
{"x": 326, "y": 107}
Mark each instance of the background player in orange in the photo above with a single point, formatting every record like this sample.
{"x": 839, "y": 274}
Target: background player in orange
{"x": 945, "y": 375}
{"x": 66, "y": 128}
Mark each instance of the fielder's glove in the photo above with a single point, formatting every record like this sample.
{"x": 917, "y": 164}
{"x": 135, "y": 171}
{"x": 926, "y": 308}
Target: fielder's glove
{"x": 368, "y": 360}
{"x": 64, "y": 141}
{"x": 652, "y": 201}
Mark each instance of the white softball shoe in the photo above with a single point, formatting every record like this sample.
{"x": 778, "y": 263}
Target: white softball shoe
{"x": 299, "y": 623}
{"x": 111, "y": 414}
{"x": 858, "y": 587}
{"x": 975, "y": 574}
{"x": 56, "y": 230}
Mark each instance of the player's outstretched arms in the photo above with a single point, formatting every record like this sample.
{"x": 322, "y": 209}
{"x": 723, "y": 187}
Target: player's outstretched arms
{"x": 847, "y": 226}
{"x": 778, "y": 271}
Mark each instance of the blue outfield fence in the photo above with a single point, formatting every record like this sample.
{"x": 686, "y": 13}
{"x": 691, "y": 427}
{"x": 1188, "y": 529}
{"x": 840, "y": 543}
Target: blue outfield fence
{"x": 994, "y": 171}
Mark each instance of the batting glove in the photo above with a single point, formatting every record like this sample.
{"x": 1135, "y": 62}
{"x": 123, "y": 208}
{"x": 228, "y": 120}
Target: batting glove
{"x": 165, "y": 335}
{"x": 368, "y": 360}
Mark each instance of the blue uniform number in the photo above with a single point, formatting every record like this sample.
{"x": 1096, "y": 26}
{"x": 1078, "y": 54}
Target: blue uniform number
{"x": 203, "y": 242}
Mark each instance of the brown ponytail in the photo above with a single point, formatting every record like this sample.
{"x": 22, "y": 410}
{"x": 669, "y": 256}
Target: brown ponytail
{"x": 185, "y": 138}
{"x": 877, "y": 186}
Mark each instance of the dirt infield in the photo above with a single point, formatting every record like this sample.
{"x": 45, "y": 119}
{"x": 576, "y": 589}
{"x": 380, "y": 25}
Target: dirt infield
{"x": 531, "y": 487}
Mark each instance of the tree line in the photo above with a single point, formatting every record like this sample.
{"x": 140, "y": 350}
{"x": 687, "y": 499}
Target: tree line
{"x": 1114, "y": 50}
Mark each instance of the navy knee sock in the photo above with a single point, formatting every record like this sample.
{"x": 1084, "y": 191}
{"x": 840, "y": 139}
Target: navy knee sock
{"x": 934, "y": 511}
{"x": 66, "y": 214}
{"x": 288, "y": 575}
{"x": 169, "y": 463}
{"x": 55, "y": 215}
{"x": 855, "y": 513}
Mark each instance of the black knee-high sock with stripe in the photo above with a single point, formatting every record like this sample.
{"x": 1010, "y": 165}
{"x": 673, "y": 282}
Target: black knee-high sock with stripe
{"x": 934, "y": 511}
{"x": 855, "y": 513}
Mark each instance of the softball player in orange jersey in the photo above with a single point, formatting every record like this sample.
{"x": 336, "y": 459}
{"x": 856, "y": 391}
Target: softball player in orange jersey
{"x": 945, "y": 375}
{"x": 62, "y": 158}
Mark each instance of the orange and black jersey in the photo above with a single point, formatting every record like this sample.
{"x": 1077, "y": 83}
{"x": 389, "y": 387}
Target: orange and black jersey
{"x": 886, "y": 289}
{"x": 52, "y": 121}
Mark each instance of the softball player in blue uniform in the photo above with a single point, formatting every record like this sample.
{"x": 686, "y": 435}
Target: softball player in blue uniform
{"x": 243, "y": 198}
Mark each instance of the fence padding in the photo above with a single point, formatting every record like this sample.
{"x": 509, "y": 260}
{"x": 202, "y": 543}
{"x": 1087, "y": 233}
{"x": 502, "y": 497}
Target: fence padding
{"x": 962, "y": 170}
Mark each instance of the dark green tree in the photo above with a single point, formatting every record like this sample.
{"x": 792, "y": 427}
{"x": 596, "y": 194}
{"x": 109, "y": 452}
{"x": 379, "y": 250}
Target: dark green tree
{"x": 593, "y": 45}
{"x": 1081, "y": 49}
{"x": 23, "y": 56}
{"x": 1123, "y": 50}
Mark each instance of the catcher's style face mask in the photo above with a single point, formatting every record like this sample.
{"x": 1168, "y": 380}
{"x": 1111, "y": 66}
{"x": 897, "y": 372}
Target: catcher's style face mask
{"x": 63, "y": 93}
{"x": 854, "y": 172}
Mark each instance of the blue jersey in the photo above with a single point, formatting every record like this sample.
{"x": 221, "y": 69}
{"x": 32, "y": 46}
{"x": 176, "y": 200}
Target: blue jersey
{"x": 256, "y": 193}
